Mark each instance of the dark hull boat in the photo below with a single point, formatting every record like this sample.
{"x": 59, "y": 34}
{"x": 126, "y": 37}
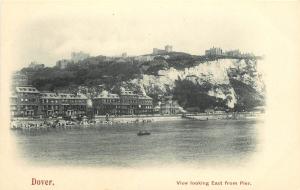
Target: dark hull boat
{"x": 142, "y": 133}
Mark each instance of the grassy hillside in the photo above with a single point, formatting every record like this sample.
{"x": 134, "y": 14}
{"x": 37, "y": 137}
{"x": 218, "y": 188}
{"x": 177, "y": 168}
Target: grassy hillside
{"x": 115, "y": 72}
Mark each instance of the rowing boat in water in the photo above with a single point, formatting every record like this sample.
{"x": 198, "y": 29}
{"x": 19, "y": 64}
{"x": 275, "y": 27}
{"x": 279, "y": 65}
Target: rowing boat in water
{"x": 142, "y": 133}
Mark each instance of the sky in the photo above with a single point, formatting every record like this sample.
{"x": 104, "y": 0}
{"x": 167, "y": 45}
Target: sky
{"x": 47, "y": 32}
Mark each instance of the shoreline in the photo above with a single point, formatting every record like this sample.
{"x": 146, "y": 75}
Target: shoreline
{"x": 29, "y": 123}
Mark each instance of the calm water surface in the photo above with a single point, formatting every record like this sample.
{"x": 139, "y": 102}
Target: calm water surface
{"x": 172, "y": 142}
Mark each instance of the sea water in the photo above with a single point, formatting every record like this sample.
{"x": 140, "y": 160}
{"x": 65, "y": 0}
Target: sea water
{"x": 184, "y": 142}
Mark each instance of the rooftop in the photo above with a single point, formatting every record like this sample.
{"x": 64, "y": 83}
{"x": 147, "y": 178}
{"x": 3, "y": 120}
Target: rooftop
{"x": 127, "y": 92}
{"x": 144, "y": 97}
{"x": 52, "y": 95}
{"x": 27, "y": 89}
{"x": 111, "y": 96}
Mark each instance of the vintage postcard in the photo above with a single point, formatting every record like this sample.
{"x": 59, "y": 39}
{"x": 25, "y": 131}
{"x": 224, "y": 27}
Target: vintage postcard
{"x": 131, "y": 95}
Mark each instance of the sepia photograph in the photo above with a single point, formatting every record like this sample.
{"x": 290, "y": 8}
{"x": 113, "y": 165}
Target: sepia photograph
{"x": 136, "y": 88}
{"x": 165, "y": 106}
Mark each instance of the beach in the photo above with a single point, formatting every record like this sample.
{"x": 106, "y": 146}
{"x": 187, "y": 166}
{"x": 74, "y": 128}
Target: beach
{"x": 30, "y": 123}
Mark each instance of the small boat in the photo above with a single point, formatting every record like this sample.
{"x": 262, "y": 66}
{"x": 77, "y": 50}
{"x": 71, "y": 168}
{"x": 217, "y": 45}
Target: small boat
{"x": 141, "y": 133}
